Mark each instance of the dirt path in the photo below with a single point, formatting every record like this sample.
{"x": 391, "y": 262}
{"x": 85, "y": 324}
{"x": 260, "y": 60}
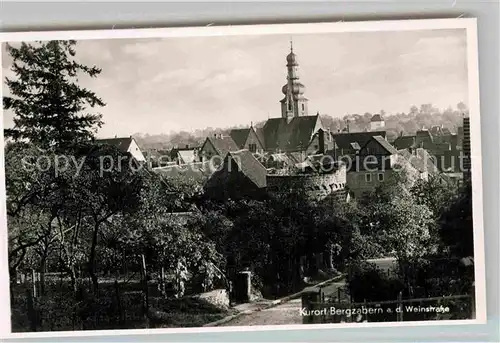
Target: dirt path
{"x": 287, "y": 313}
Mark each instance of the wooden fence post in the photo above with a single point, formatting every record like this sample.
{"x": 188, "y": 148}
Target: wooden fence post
{"x": 163, "y": 282}
{"x": 366, "y": 317}
{"x": 309, "y": 299}
{"x": 119, "y": 303}
{"x": 33, "y": 277}
{"x": 400, "y": 305}
{"x": 32, "y": 315}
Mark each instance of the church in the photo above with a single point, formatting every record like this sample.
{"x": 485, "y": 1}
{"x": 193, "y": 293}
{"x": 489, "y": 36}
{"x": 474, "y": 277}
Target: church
{"x": 294, "y": 131}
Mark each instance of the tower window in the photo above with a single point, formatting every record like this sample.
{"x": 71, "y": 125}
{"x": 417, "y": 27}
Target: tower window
{"x": 303, "y": 107}
{"x": 289, "y": 106}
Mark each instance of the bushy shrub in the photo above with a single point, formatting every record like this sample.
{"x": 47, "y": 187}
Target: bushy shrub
{"x": 368, "y": 282}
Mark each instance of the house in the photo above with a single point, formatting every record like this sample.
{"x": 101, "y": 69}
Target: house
{"x": 377, "y": 123}
{"x": 421, "y": 160}
{"x": 218, "y": 145}
{"x": 444, "y": 146}
{"x": 372, "y": 166}
{"x": 350, "y": 143}
{"x": 321, "y": 142}
{"x": 199, "y": 172}
{"x": 248, "y": 139}
{"x": 125, "y": 145}
{"x": 184, "y": 155}
{"x": 240, "y": 175}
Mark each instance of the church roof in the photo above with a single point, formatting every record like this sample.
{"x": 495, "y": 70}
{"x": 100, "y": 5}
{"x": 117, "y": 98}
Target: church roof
{"x": 289, "y": 136}
{"x": 376, "y": 117}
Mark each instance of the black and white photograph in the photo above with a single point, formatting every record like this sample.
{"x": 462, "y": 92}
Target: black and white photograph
{"x": 257, "y": 176}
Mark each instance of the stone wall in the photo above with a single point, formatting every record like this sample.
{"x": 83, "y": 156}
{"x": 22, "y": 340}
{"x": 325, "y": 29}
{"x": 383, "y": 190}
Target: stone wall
{"x": 217, "y": 297}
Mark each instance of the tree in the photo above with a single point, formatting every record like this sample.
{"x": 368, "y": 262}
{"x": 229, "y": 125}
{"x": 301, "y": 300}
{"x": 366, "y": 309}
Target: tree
{"x": 437, "y": 193}
{"x": 108, "y": 184}
{"x": 456, "y": 229}
{"x": 48, "y": 104}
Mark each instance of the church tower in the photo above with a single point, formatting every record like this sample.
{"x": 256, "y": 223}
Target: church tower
{"x": 294, "y": 104}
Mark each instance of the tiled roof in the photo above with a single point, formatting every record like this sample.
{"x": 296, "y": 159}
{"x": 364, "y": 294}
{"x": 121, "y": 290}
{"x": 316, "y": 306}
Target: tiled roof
{"x": 250, "y": 167}
{"x": 187, "y": 156}
{"x": 260, "y": 135}
{"x": 196, "y": 171}
{"x": 420, "y": 160}
{"x": 223, "y": 145}
{"x": 240, "y": 136}
{"x": 121, "y": 143}
{"x": 295, "y": 135}
{"x": 404, "y": 142}
{"x": 174, "y": 152}
{"x": 385, "y": 144}
{"x": 344, "y": 140}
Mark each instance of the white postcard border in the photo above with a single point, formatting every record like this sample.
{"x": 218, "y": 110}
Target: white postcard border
{"x": 469, "y": 24}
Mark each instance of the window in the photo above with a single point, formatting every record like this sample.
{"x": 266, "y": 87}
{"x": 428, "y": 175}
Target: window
{"x": 303, "y": 107}
{"x": 289, "y": 106}
{"x": 381, "y": 176}
{"x": 252, "y": 147}
{"x": 368, "y": 177}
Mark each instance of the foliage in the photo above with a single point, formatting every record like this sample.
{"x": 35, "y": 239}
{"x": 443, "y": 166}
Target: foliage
{"x": 456, "y": 224}
{"x": 367, "y": 282}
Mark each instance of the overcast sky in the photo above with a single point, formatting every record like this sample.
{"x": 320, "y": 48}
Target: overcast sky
{"x": 162, "y": 85}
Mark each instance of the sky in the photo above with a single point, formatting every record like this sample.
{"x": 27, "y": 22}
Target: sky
{"x": 154, "y": 86}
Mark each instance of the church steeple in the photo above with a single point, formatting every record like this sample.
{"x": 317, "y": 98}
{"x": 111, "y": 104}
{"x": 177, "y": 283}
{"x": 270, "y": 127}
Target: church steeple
{"x": 294, "y": 103}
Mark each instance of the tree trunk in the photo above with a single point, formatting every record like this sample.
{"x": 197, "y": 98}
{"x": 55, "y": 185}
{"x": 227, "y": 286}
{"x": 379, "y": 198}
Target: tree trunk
{"x": 328, "y": 257}
{"x": 43, "y": 267}
{"x": 73, "y": 276}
